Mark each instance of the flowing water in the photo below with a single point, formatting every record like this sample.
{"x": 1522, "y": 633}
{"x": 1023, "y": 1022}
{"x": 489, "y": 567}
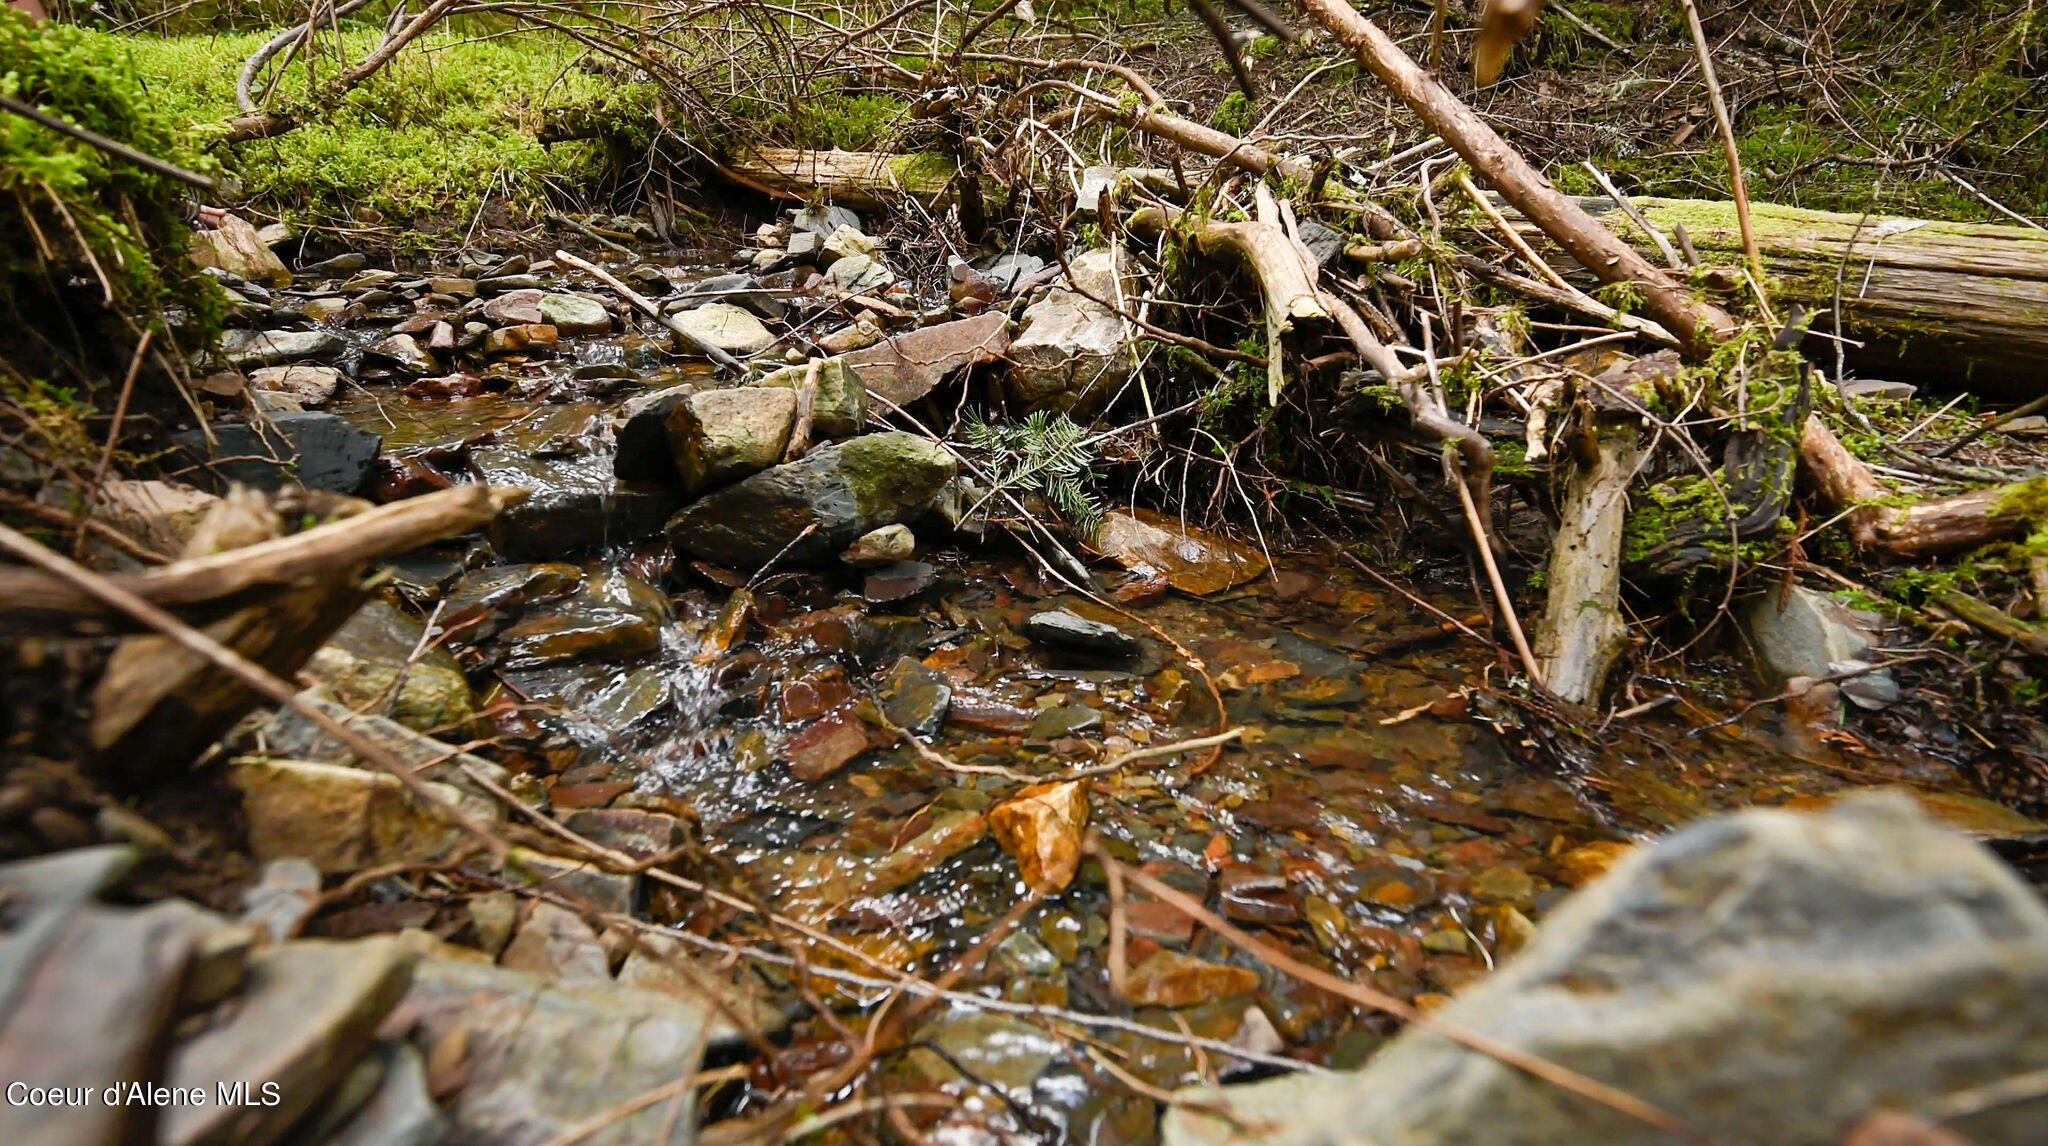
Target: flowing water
{"x": 1385, "y": 813}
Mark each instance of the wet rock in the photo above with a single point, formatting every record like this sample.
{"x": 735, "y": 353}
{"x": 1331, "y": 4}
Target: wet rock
{"x": 308, "y": 1011}
{"x": 502, "y": 593}
{"x": 505, "y": 284}
{"x": 1252, "y": 896}
{"x": 859, "y": 274}
{"x": 813, "y": 694}
{"x": 1800, "y": 633}
{"x": 334, "y": 311}
{"x": 1192, "y": 560}
{"x": 456, "y": 288}
{"x": 1171, "y": 979}
{"x": 313, "y": 449}
{"x": 845, "y": 489}
{"x": 896, "y": 581}
{"x": 542, "y": 1059}
{"x": 577, "y": 504}
{"x": 525, "y": 339}
{"x": 370, "y": 653}
{"x": 1065, "y": 720}
{"x": 343, "y": 819}
{"x": 908, "y": 366}
{"x": 738, "y": 289}
{"x": 614, "y": 617}
{"x": 1064, "y": 630}
{"x": 727, "y": 327}
{"x": 603, "y": 890}
{"x": 519, "y": 308}
{"x": 914, "y": 697}
{"x": 309, "y": 386}
{"x": 346, "y": 263}
{"x": 238, "y": 248}
{"x": 404, "y": 352}
{"x": 575, "y": 316}
{"x": 839, "y": 405}
{"x": 979, "y": 712}
{"x": 862, "y": 333}
{"x": 826, "y": 746}
{"x": 1766, "y": 976}
{"x": 249, "y": 349}
{"x": 556, "y": 944}
{"x": 719, "y": 436}
{"x": 884, "y": 546}
{"x": 635, "y": 831}
{"x": 642, "y": 451}
{"x": 624, "y": 700}
{"x": 1040, "y": 827}
{"x": 1588, "y": 862}
{"x": 1073, "y": 352}
{"x": 291, "y": 734}
{"x": 992, "y": 1050}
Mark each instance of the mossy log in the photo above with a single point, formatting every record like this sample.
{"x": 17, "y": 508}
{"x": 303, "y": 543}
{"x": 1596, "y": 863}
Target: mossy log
{"x": 1956, "y": 304}
{"x": 864, "y": 180}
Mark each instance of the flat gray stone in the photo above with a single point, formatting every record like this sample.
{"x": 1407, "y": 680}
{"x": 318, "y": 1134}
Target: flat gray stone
{"x": 248, "y": 349}
{"x": 544, "y": 1058}
{"x": 309, "y": 1011}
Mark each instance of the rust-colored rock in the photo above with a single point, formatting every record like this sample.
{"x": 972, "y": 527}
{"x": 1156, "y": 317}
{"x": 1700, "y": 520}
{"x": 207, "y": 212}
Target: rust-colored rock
{"x": 825, "y": 747}
{"x": 1171, "y": 979}
{"x": 1040, "y": 827}
{"x": 1192, "y": 560}
{"x": 907, "y": 367}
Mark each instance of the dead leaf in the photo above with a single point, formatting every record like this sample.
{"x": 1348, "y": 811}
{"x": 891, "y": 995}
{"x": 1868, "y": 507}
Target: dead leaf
{"x": 1192, "y": 560}
{"x": 1040, "y": 827}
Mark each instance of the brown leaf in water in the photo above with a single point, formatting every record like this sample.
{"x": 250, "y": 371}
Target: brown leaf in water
{"x": 1192, "y": 560}
{"x": 1040, "y": 827}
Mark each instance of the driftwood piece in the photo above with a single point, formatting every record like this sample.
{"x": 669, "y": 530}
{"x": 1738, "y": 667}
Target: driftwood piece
{"x": 1596, "y": 247}
{"x": 225, "y": 580}
{"x": 1922, "y": 529}
{"x": 862, "y": 179}
{"x": 1581, "y": 631}
{"x": 1961, "y": 302}
{"x": 1284, "y": 268}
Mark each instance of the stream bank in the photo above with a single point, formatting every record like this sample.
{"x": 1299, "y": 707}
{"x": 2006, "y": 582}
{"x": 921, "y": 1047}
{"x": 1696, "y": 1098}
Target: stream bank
{"x": 837, "y": 713}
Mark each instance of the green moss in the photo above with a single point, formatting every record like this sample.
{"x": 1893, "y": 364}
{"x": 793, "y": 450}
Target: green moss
{"x": 65, "y": 201}
{"x": 1938, "y": 76}
{"x": 1234, "y": 115}
{"x": 448, "y": 122}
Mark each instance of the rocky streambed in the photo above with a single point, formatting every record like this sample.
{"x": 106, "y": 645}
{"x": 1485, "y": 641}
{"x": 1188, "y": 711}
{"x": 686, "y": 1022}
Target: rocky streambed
{"x": 767, "y": 636}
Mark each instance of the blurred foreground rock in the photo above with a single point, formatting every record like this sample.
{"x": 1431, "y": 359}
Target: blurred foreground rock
{"x": 1768, "y": 977}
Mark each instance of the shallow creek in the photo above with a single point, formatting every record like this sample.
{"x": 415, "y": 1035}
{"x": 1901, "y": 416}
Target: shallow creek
{"x": 1382, "y": 814}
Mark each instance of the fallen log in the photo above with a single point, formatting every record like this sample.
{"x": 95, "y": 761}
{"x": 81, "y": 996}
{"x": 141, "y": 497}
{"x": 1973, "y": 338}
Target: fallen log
{"x": 1920, "y": 529}
{"x": 1950, "y": 302}
{"x": 30, "y": 598}
{"x": 865, "y": 180}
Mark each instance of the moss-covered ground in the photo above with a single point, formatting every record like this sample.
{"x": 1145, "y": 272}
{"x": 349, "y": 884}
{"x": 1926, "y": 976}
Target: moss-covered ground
{"x": 453, "y": 119}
